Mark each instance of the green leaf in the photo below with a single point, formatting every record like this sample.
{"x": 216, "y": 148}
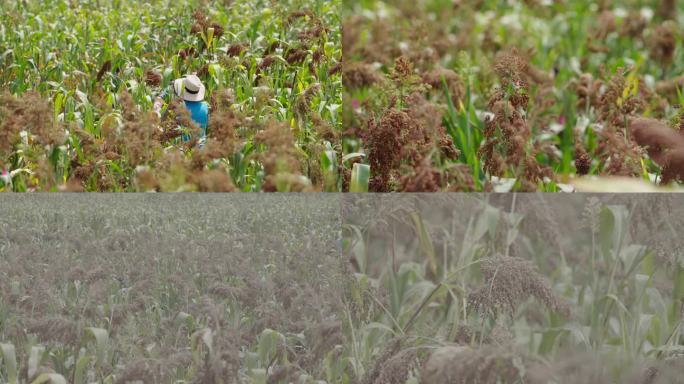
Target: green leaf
{"x": 380, "y": 326}
{"x": 101, "y": 337}
{"x": 353, "y": 155}
{"x": 360, "y": 178}
{"x": 329, "y": 168}
{"x": 425, "y": 243}
{"x": 548, "y": 340}
{"x": 216, "y": 71}
{"x": 9, "y": 357}
{"x": 35, "y": 357}
{"x": 210, "y": 36}
{"x": 59, "y": 103}
{"x": 268, "y": 345}
{"x": 258, "y": 376}
{"x": 613, "y": 228}
{"x": 50, "y": 378}
{"x": 80, "y": 369}
{"x": 487, "y": 222}
{"x": 185, "y": 319}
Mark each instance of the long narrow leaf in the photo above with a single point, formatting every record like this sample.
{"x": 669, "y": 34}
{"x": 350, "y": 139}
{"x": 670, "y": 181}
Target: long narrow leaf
{"x": 425, "y": 243}
{"x": 101, "y": 337}
{"x": 360, "y": 178}
{"x": 50, "y": 378}
{"x": 9, "y": 357}
{"x": 34, "y": 359}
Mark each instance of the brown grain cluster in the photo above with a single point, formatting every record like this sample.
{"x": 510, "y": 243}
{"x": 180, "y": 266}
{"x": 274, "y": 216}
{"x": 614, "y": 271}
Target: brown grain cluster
{"x": 507, "y": 134}
{"x": 617, "y": 102}
{"x": 408, "y": 137}
{"x": 509, "y": 281}
{"x": 129, "y": 294}
{"x": 461, "y": 364}
{"x": 203, "y": 23}
{"x": 153, "y": 78}
{"x": 281, "y": 160}
{"x": 33, "y": 114}
{"x": 359, "y": 75}
{"x": 664, "y": 42}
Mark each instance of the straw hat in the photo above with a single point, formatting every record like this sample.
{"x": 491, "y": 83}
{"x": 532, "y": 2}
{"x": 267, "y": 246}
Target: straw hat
{"x": 189, "y": 87}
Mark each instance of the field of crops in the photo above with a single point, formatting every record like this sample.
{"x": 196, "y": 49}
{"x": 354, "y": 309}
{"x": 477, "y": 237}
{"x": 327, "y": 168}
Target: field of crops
{"x": 79, "y": 79}
{"x": 427, "y": 288}
{"x": 481, "y": 95}
{"x": 514, "y": 289}
{"x": 112, "y": 289}
{"x": 342, "y": 96}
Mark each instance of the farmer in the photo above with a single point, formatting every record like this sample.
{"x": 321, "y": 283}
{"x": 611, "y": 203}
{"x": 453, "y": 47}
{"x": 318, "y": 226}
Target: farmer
{"x": 191, "y": 90}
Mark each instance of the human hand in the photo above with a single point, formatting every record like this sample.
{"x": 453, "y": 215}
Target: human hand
{"x": 158, "y": 104}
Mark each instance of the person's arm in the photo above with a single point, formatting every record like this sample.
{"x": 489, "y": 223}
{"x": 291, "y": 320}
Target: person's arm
{"x": 157, "y": 107}
{"x": 159, "y": 103}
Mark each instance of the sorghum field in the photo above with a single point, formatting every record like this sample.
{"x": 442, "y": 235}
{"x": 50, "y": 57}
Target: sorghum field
{"x": 79, "y": 78}
{"x": 514, "y": 288}
{"x": 169, "y": 289}
{"x": 511, "y": 95}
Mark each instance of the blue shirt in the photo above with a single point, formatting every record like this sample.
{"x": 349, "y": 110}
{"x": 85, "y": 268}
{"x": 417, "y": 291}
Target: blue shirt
{"x": 199, "y": 111}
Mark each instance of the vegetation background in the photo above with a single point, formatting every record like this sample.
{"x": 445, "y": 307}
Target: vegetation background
{"x": 489, "y": 95}
{"x": 169, "y": 289}
{"x": 514, "y": 288}
{"x": 79, "y": 79}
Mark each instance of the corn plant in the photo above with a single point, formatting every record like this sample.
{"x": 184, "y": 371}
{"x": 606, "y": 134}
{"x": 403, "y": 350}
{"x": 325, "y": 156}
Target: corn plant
{"x": 260, "y": 65}
{"x": 132, "y": 294}
{"x": 512, "y": 96}
{"x": 483, "y": 278}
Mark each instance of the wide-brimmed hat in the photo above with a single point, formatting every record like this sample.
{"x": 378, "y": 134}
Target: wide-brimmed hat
{"x": 189, "y": 87}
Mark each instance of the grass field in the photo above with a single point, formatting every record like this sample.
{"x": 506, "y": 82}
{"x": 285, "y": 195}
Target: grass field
{"x": 160, "y": 289}
{"x": 488, "y": 95}
{"x": 79, "y": 78}
{"x": 514, "y": 289}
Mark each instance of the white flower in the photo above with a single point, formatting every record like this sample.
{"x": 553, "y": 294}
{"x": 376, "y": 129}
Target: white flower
{"x": 620, "y": 13}
{"x": 556, "y": 127}
{"x": 483, "y": 18}
{"x": 650, "y": 81}
{"x": 503, "y": 184}
{"x": 582, "y": 124}
{"x": 511, "y": 20}
{"x": 575, "y": 65}
{"x": 646, "y": 13}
